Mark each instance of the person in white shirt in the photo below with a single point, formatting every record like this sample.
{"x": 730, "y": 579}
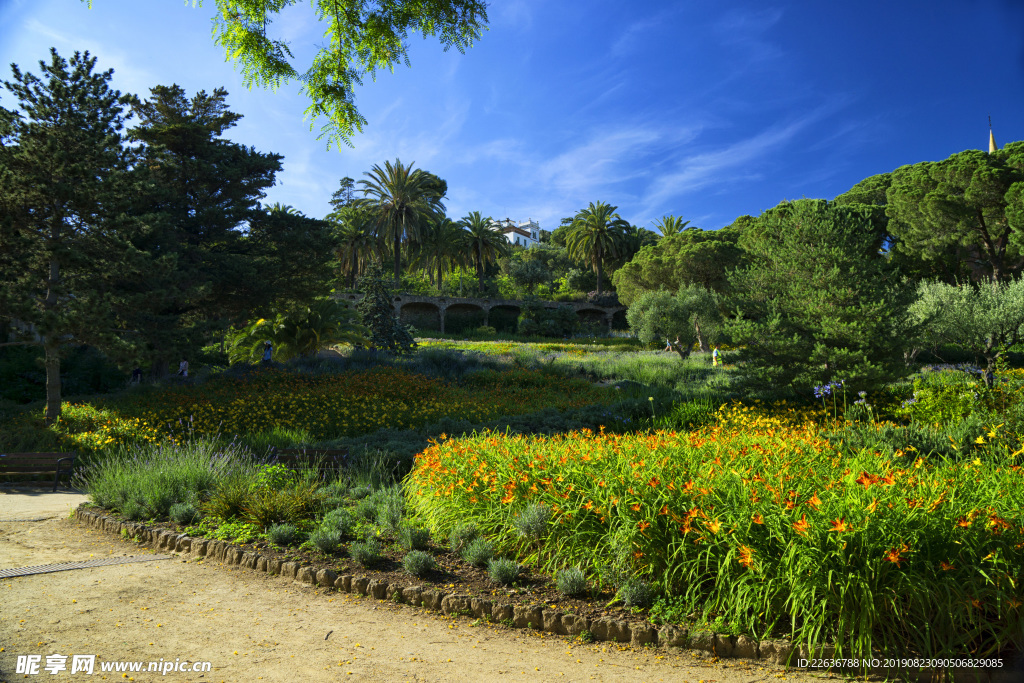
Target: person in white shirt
{"x": 183, "y": 368}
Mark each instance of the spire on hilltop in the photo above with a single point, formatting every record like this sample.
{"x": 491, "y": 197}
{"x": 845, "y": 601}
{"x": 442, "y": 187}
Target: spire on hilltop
{"x": 991, "y": 138}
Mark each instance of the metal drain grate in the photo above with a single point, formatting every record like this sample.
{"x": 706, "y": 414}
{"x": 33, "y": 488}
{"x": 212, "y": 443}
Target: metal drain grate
{"x": 84, "y": 564}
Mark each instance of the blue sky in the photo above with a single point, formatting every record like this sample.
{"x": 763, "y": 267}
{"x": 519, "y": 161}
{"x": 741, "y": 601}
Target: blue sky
{"x": 704, "y": 110}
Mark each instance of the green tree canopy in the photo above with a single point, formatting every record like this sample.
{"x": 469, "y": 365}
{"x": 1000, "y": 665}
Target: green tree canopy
{"x": 482, "y": 242}
{"x": 984, "y": 320}
{"x": 681, "y": 318}
{"x": 355, "y": 240}
{"x": 670, "y": 225}
{"x": 377, "y": 314}
{"x": 203, "y": 195}
{"x": 692, "y": 256}
{"x": 66, "y": 265}
{"x": 817, "y": 302}
{"x": 362, "y": 37}
{"x": 300, "y": 332}
{"x": 970, "y": 205}
{"x": 596, "y": 234}
{"x": 402, "y": 199}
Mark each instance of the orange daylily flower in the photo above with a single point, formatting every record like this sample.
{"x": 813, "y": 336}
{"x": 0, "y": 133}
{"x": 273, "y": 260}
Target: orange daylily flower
{"x": 873, "y": 505}
{"x": 746, "y": 557}
{"x": 802, "y": 526}
{"x": 946, "y": 566}
{"x": 714, "y": 525}
{"x": 963, "y": 522}
{"x": 840, "y": 525}
{"x": 814, "y": 501}
{"x": 757, "y": 519}
{"x": 866, "y": 480}
{"x": 635, "y": 507}
{"x": 643, "y": 526}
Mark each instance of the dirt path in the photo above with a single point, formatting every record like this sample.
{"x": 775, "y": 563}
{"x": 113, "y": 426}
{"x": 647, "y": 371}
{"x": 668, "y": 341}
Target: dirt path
{"x": 257, "y": 627}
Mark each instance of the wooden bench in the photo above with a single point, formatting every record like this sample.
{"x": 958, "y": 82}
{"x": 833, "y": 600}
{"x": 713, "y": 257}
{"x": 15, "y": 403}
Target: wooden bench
{"x": 328, "y": 458}
{"x": 39, "y": 463}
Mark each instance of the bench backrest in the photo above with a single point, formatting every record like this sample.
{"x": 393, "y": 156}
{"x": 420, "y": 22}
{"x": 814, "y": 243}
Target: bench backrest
{"x": 33, "y": 462}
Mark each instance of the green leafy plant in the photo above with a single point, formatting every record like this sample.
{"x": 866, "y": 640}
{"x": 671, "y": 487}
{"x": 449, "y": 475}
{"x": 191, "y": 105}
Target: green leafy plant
{"x": 636, "y": 592}
{"x": 414, "y": 538}
{"x": 571, "y": 582}
{"x": 532, "y": 522}
{"x": 366, "y": 553}
{"x": 185, "y": 513}
{"x": 282, "y": 534}
{"x": 461, "y": 536}
{"x": 325, "y": 540}
{"x": 418, "y": 563}
{"x": 340, "y": 520}
{"x": 503, "y": 571}
{"x": 478, "y": 553}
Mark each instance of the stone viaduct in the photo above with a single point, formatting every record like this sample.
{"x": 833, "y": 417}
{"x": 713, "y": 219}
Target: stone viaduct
{"x": 436, "y": 308}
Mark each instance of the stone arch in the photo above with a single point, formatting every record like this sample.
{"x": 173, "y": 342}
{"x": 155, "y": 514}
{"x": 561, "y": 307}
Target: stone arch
{"x": 504, "y": 317}
{"x": 463, "y": 316}
{"x": 619, "y": 320}
{"x": 422, "y": 315}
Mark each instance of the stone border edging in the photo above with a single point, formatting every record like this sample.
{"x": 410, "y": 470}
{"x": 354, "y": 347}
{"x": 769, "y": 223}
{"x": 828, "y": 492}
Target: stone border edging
{"x": 536, "y": 617}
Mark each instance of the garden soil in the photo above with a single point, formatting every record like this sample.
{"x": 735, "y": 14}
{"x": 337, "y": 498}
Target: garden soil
{"x": 257, "y": 627}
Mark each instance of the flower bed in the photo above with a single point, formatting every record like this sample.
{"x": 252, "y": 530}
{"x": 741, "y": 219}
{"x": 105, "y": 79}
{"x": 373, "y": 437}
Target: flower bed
{"x": 762, "y": 523}
{"x": 322, "y": 406}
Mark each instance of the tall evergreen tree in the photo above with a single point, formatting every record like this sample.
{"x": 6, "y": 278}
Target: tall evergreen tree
{"x": 203, "y": 193}
{"x": 817, "y": 302}
{"x": 63, "y": 255}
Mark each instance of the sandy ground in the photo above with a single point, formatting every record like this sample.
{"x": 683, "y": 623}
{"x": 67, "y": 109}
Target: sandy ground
{"x": 256, "y": 627}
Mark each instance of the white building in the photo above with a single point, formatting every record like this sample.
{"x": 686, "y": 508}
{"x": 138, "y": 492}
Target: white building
{"x": 524, "y": 233}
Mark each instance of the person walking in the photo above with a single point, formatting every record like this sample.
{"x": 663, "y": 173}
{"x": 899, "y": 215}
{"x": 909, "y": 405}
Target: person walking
{"x": 268, "y": 351}
{"x": 183, "y": 368}
{"x": 137, "y": 376}
{"x": 714, "y": 356}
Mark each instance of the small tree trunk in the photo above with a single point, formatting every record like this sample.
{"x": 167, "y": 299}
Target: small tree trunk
{"x": 684, "y": 353}
{"x": 398, "y": 263}
{"x": 701, "y": 339}
{"x": 51, "y": 348}
{"x": 599, "y": 273}
{"x": 439, "y": 282}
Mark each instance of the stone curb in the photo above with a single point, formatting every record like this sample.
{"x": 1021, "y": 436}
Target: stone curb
{"x": 535, "y": 617}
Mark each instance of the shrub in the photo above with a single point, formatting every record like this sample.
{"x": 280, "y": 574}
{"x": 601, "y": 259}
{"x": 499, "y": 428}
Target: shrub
{"x": 636, "y": 593}
{"x": 414, "y": 538}
{"x": 185, "y": 513}
{"x": 503, "y": 570}
{"x": 461, "y": 536}
{"x": 265, "y": 506}
{"x": 359, "y": 492}
{"x": 532, "y": 522}
{"x": 282, "y": 534}
{"x": 366, "y": 552}
{"x": 479, "y": 552}
{"x": 340, "y": 520}
{"x": 571, "y": 582}
{"x": 133, "y": 510}
{"x": 325, "y": 540}
{"x": 390, "y": 508}
{"x": 366, "y": 509}
{"x": 418, "y": 562}
{"x": 228, "y": 498}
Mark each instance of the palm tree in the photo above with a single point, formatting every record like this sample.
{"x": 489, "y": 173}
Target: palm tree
{"x": 278, "y": 207}
{"x": 483, "y": 242}
{"x": 440, "y": 247}
{"x": 356, "y": 240}
{"x": 402, "y": 198}
{"x": 301, "y": 333}
{"x": 594, "y": 235}
{"x": 670, "y": 225}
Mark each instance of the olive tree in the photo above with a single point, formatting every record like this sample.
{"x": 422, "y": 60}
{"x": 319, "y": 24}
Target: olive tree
{"x": 688, "y": 316}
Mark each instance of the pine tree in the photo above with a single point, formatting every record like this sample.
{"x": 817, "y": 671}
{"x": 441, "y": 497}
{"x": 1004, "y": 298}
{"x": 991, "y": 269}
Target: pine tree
{"x": 63, "y": 256}
{"x": 385, "y": 329}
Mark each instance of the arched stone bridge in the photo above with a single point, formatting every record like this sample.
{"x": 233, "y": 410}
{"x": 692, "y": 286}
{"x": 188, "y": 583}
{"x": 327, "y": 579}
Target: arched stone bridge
{"x": 409, "y": 307}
